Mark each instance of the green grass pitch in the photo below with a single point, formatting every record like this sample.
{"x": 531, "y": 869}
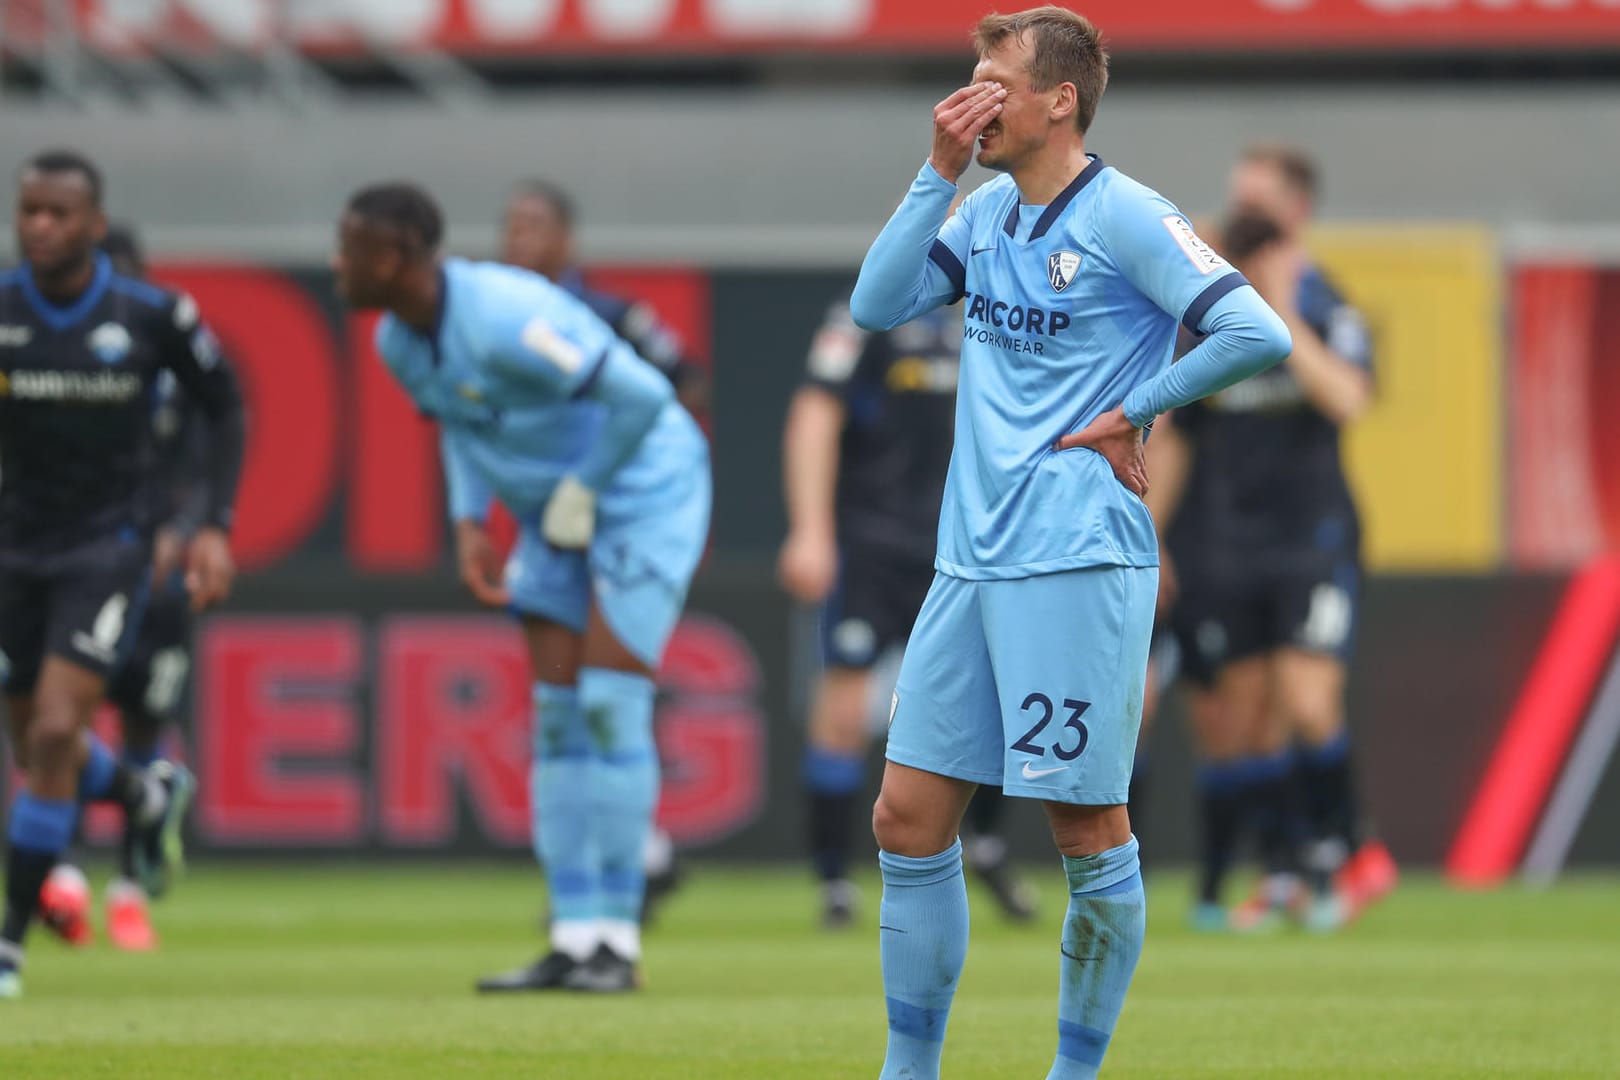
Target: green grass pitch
{"x": 306, "y": 972}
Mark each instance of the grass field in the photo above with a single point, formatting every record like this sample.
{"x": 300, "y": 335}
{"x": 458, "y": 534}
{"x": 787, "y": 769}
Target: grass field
{"x": 281, "y": 972}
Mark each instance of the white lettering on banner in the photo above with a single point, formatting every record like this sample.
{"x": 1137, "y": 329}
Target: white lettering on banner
{"x": 506, "y": 20}
{"x": 745, "y": 18}
{"x": 387, "y": 22}
{"x": 122, "y": 24}
{"x": 620, "y": 20}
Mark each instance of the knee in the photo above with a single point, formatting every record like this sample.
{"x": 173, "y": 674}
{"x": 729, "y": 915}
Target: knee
{"x": 1088, "y": 830}
{"x": 901, "y": 830}
{"x": 53, "y": 737}
{"x": 1315, "y": 718}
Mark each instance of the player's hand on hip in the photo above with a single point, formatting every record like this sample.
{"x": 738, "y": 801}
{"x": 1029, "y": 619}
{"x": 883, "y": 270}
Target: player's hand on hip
{"x": 957, "y": 123}
{"x": 808, "y": 565}
{"x": 1117, "y": 440}
{"x": 569, "y": 520}
{"x": 210, "y": 569}
{"x": 478, "y": 564}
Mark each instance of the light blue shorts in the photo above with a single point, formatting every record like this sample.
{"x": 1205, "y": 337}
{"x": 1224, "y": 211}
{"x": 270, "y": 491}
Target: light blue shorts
{"x": 1033, "y": 683}
{"x": 636, "y": 572}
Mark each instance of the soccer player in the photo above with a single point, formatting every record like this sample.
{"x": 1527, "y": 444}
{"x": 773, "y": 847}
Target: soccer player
{"x": 1267, "y": 544}
{"x": 150, "y": 684}
{"x": 542, "y": 406}
{"x": 537, "y": 233}
{"x": 82, "y": 349}
{"x": 865, "y": 449}
{"x": 1027, "y": 664}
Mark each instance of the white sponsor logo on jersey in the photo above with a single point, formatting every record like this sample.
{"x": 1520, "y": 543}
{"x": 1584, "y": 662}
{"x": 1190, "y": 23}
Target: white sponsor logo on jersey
{"x": 1202, "y": 255}
{"x": 110, "y": 342}
{"x": 16, "y": 335}
{"x": 542, "y": 338}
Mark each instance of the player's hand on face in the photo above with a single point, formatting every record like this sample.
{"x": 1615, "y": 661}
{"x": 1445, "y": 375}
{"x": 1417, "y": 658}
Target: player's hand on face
{"x": 957, "y": 123}
{"x": 1117, "y": 440}
{"x": 479, "y": 565}
{"x": 808, "y": 566}
{"x": 210, "y": 569}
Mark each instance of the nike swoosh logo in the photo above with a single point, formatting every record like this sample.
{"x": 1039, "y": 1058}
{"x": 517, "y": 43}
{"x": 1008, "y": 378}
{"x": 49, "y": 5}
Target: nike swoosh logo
{"x": 981, "y": 251}
{"x": 1034, "y": 774}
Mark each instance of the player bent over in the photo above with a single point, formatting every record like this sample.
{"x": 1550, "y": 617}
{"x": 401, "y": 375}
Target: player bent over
{"x": 543, "y": 407}
{"x": 84, "y": 350}
{"x": 1027, "y": 664}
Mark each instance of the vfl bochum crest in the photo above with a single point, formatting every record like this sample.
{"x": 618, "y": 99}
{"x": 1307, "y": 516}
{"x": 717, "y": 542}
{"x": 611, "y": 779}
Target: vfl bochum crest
{"x": 1060, "y": 268}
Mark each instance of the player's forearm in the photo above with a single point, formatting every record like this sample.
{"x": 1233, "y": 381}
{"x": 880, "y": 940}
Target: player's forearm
{"x": 810, "y": 461}
{"x": 1338, "y": 389}
{"x": 893, "y": 286}
{"x": 1245, "y": 338}
{"x": 634, "y": 393}
{"x": 467, "y": 493}
{"x": 227, "y": 437}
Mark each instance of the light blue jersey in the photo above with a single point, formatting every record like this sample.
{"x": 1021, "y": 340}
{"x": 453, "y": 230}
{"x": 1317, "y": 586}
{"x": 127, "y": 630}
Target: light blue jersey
{"x": 1070, "y": 310}
{"x": 1027, "y": 664}
{"x": 530, "y": 386}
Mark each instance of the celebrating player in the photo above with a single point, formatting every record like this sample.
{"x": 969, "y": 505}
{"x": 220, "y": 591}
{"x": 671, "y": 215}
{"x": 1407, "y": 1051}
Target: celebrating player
{"x": 82, "y": 349}
{"x": 865, "y": 450}
{"x": 542, "y": 406}
{"x": 151, "y": 681}
{"x": 1027, "y": 664}
{"x": 1266, "y": 543}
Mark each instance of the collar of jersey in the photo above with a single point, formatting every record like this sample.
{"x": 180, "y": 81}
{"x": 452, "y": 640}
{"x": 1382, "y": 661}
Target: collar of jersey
{"x": 437, "y": 330}
{"x": 1058, "y": 205}
{"x": 64, "y": 318}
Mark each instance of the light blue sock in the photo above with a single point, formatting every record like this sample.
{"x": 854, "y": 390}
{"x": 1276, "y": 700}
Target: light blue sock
{"x": 96, "y": 777}
{"x": 559, "y": 807}
{"x": 1102, "y": 939}
{"x": 924, "y": 927}
{"x": 624, "y": 792}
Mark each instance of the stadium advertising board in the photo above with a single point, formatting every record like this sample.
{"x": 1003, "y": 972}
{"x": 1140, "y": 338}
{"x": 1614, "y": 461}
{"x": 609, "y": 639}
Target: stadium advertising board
{"x": 742, "y": 26}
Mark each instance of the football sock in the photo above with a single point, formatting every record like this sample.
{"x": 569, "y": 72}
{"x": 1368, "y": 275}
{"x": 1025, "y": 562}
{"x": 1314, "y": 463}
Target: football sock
{"x": 1102, "y": 940}
{"x": 832, "y": 782}
{"x": 1278, "y": 821}
{"x": 1327, "y": 790}
{"x": 39, "y": 831}
{"x": 1224, "y": 788}
{"x": 105, "y": 778}
{"x": 559, "y": 806}
{"x": 624, "y": 795}
{"x": 924, "y": 926}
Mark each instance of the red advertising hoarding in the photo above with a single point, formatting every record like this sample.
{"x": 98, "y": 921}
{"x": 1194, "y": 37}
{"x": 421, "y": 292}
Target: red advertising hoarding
{"x": 720, "y": 27}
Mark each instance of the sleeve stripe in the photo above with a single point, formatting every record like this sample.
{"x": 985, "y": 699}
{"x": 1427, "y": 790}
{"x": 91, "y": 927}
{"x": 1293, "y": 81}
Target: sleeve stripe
{"x": 1206, "y": 299}
{"x": 592, "y": 375}
{"x": 944, "y": 258}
